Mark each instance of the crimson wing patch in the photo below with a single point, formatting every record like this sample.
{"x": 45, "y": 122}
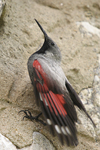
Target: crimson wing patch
{"x": 54, "y": 107}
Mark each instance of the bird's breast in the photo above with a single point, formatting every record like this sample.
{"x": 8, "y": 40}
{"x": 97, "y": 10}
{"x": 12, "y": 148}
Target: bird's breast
{"x": 54, "y": 74}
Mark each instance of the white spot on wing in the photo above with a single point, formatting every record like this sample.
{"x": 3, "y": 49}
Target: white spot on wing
{"x": 63, "y": 130}
{"x": 45, "y": 102}
{"x": 67, "y": 130}
{"x": 57, "y": 129}
{"x": 49, "y": 122}
{"x": 40, "y": 97}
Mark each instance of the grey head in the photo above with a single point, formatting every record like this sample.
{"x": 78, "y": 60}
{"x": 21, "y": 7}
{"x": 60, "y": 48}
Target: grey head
{"x": 49, "y": 48}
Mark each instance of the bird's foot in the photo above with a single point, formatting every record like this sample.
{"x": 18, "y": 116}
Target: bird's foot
{"x": 29, "y": 116}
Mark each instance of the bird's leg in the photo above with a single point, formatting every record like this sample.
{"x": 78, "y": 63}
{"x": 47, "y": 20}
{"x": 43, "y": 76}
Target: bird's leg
{"x": 29, "y": 116}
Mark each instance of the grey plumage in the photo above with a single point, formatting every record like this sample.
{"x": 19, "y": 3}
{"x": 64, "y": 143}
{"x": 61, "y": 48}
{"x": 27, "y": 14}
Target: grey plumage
{"x": 53, "y": 91}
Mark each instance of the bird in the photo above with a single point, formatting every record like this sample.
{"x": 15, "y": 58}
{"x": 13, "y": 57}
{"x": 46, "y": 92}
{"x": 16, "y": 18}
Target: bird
{"x": 54, "y": 93}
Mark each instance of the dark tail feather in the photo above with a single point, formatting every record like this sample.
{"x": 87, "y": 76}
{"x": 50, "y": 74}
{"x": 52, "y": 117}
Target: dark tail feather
{"x": 90, "y": 118}
{"x": 76, "y": 100}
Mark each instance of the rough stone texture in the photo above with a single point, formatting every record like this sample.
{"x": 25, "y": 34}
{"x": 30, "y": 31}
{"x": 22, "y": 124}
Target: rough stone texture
{"x": 91, "y": 100}
{"x": 2, "y": 4}
{"x": 5, "y": 144}
{"x": 86, "y": 28}
{"x": 40, "y": 142}
{"x": 20, "y": 37}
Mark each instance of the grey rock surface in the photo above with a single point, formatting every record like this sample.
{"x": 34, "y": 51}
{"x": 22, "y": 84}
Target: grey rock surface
{"x": 2, "y": 4}
{"x": 5, "y": 144}
{"x": 40, "y": 142}
{"x": 20, "y": 37}
{"x": 91, "y": 100}
{"x": 89, "y": 29}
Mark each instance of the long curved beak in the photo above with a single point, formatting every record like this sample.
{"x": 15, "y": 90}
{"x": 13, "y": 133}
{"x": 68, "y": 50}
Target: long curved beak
{"x": 45, "y": 34}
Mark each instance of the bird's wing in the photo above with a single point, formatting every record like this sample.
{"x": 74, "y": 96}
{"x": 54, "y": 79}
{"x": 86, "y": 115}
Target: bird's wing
{"x": 55, "y": 107}
{"x": 76, "y": 100}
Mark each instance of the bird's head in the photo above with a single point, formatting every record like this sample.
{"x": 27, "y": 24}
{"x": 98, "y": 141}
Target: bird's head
{"x": 49, "y": 47}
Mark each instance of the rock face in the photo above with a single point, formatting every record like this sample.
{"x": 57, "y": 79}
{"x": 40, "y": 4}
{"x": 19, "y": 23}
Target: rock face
{"x": 2, "y": 4}
{"x": 20, "y": 37}
{"x": 39, "y": 142}
{"x": 5, "y": 144}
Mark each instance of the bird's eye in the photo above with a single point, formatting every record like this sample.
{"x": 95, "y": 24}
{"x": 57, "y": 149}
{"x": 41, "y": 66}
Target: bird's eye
{"x": 52, "y": 44}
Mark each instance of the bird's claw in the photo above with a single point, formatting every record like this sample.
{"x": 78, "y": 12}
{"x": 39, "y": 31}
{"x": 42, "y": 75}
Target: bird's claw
{"x": 29, "y": 116}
